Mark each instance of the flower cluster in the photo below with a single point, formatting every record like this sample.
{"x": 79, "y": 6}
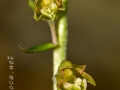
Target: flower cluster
{"x": 79, "y": 84}
{"x": 48, "y": 9}
{"x": 72, "y": 77}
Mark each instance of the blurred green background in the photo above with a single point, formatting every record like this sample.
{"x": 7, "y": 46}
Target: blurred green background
{"x": 94, "y": 40}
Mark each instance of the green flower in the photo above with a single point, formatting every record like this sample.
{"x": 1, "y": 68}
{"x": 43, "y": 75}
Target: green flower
{"x": 72, "y": 77}
{"x": 48, "y": 9}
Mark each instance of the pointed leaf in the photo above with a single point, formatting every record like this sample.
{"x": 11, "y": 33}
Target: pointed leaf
{"x": 38, "y": 48}
{"x": 88, "y": 78}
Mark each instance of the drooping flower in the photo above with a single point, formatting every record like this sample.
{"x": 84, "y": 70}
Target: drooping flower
{"x": 72, "y": 77}
{"x": 48, "y": 9}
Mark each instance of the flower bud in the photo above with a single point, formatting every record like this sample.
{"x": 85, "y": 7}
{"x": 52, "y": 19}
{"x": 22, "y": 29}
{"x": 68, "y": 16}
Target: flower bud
{"x": 46, "y": 3}
{"x": 68, "y": 72}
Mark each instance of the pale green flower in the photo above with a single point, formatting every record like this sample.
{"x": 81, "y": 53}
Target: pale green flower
{"x": 72, "y": 77}
{"x": 48, "y": 9}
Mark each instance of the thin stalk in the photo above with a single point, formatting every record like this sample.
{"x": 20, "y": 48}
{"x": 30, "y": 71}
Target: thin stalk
{"x": 53, "y": 32}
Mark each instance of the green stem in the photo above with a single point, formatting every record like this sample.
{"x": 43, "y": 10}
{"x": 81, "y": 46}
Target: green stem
{"x": 60, "y": 39}
{"x": 59, "y": 54}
